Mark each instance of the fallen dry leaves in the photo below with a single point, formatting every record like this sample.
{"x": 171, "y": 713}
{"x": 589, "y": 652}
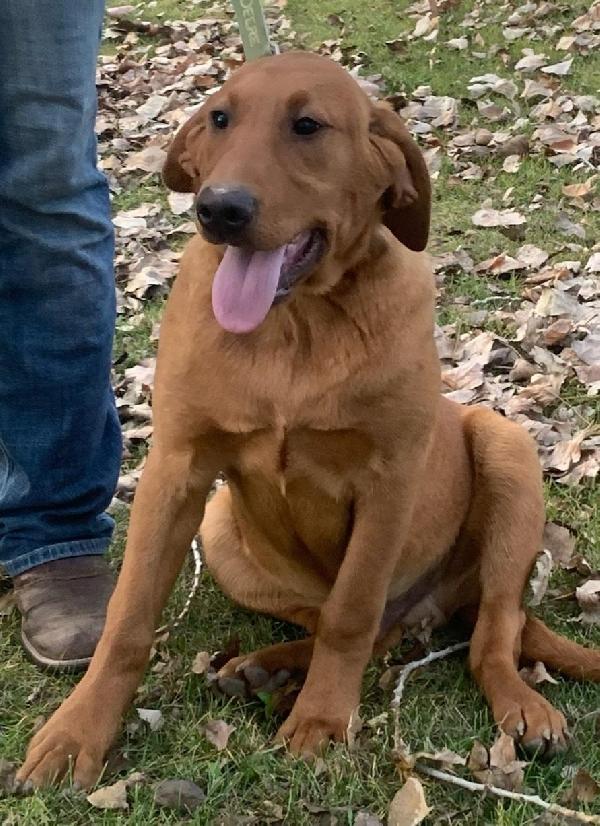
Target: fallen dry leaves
{"x": 152, "y": 716}
{"x": 408, "y": 806}
{"x": 536, "y": 674}
{"x": 588, "y": 597}
{"x": 552, "y": 336}
{"x": 110, "y": 797}
{"x": 497, "y": 766}
{"x": 584, "y": 789}
{"x": 217, "y": 732}
{"x": 114, "y": 796}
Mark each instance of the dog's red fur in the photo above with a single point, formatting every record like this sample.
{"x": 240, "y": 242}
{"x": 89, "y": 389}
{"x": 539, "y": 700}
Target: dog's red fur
{"x": 359, "y": 501}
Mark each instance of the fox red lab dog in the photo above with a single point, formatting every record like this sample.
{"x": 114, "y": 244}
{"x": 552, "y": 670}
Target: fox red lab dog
{"x": 297, "y": 357}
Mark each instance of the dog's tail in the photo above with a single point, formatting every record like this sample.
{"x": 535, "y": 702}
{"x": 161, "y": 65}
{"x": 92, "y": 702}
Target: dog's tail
{"x": 538, "y": 642}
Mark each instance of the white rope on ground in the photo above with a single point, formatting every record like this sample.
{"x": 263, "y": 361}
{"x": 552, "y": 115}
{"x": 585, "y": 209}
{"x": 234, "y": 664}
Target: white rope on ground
{"x": 170, "y": 626}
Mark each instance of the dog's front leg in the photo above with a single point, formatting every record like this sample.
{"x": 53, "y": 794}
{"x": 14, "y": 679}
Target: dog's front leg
{"x": 168, "y": 508}
{"x": 350, "y": 618}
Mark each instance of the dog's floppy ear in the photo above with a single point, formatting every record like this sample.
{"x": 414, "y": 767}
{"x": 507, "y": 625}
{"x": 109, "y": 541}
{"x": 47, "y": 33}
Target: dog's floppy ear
{"x": 407, "y": 201}
{"x": 179, "y": 172}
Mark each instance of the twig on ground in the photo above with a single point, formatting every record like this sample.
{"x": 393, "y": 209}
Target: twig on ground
{"x": 406, "y": 672}
{"x": 470, "y": 785}
{"x": 170, "y": 626}
{"x": 412, "y": 666}
{"x": 533, "y": 799}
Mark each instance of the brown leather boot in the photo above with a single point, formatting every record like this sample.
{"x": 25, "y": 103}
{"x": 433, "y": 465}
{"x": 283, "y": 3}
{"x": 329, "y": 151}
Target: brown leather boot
{"x": 63, "y": 608}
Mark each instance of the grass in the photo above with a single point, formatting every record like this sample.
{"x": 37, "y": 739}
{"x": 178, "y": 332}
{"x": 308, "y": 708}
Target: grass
{"x": 442, "y": 707}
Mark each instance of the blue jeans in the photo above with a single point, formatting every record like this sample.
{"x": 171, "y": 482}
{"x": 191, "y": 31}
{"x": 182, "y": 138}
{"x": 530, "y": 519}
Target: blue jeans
{"x": 60, "y": 442}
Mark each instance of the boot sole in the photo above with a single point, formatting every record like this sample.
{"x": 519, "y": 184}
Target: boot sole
{"x": 49, "y": 664}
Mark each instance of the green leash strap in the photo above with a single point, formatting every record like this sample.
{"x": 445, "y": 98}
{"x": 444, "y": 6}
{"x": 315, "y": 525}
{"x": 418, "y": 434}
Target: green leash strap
{"x": 253, "y": 28}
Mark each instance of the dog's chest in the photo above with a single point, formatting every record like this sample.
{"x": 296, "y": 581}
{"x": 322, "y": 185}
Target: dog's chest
{"x": 299, "y": 461}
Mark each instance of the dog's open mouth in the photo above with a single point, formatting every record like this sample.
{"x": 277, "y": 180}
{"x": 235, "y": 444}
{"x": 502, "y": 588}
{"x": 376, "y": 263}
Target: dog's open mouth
{"x": 248, "y": 282}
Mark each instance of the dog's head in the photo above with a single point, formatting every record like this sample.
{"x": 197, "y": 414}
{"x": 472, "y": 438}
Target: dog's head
{"x": 293, "y": 165}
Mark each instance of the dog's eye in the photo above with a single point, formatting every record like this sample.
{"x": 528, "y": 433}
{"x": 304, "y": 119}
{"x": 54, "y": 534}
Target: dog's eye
{"x": 306, "y": 126}
{"x": 220, "y": 119}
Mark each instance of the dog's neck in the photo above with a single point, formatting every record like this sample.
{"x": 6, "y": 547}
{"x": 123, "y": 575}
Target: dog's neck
{"x": 342, "y": 265}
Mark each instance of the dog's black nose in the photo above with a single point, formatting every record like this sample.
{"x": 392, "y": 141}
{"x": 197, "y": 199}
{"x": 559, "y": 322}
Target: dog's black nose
{"x": 225, "y": 212}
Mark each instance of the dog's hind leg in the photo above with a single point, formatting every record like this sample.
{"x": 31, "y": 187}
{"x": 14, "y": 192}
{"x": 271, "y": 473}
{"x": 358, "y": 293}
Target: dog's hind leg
{"x": 506, "y": 523}
{"x": 295, "y": 598}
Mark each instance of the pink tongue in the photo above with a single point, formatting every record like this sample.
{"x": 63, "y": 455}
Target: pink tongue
{"x": 244, "y": 287}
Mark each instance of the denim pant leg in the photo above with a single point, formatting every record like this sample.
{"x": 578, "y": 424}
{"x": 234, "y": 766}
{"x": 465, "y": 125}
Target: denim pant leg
{"x": 60, "y": 442}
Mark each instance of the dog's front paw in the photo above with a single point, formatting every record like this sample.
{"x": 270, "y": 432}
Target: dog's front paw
{"x": 533, "y": 722}
{"x": 309, "y": 728}
{"x": 73, "y": 742}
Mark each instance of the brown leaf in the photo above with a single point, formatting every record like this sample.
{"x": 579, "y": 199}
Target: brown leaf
{"x": 459, "y": 43}
{"x": 560, "y": 543}
{"x": 218, "y": 732}
{"x": 555, "y": 302}
{"x": 593, "y": 263}
{"x": 152, "y": 716}
{"x": 536, "y": 674}
{"x": 408, "y": 806}
{"x": 488, "y": 217}
{"x": 517, "y": 145}
{"x": 110, "y": 797}
{"x": 201, "y": 662}
{"x": 568, "y": 227}
{"x": 584, "y": 789}
{"x": 153, "y": 106}
{"x": 557, "y": 331}
{"x": 568, "y": 451}
{"x": 530, "y": 62}
{"x": 425, "y": 25}
{"x": 560, "y": 69}
{"x": 507, "y": 771}
{"x": 135, "y": 779}
{"x": 478, "y": 758}
{"x": 479, "y": 86}
{"x": 588, "y": 597}
{"x": 511, "y": 164}
{"x": 502, "y": 751}
{"x": 532, "y": 256}
{"x": 149, "y": 159}
{"x": 588, "y": 349}
{"x": 446, "y": 758}
{"x": 500, "y": 768}
{"x": 500, "y": 264}
{"x": 522, "y": 370}
{"x": 540, "y": 577}
{"x": 180, "y": 202}
{"x": 579, "y": 190}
